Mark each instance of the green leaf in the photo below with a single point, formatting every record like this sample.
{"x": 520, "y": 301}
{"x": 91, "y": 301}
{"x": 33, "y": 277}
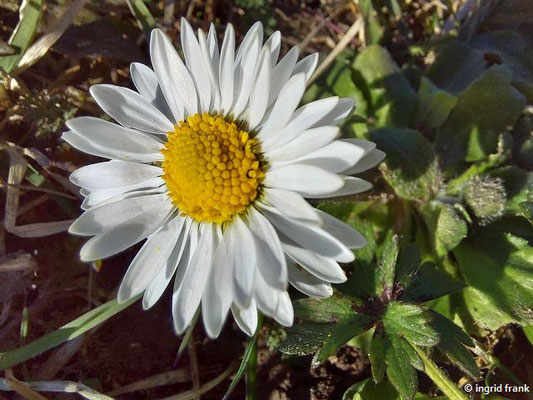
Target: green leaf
{"x": 304, "y": 339}
{"x": 410, "y": 166}
{"x": 385, "y": 270}
{"x": 393, "y": 99}
{"x": 67, "y": 332}
{"x": 142, "y": 14}
{"x": 430, "y": 283}
{"x": 486, "y": 108}
{"x": 377, "y": 356}
{"x": 249, "y": 352}
{"x": 369, "y": 390}
{"x": 373, "y": 30}
{"x": 508, "y": 48}
{"x": 452, "y": 343}
{"x": 434, "y": 105}
{"x": 527, "y": 210}
{"x": 29, "y": 16}
{"x": 341, "y": 334}
{"x": 445, "y": 226}
{"x": 411, "y": 322}
{"x": 407, "y": 264}
{"x": 456, "y": 66}
{"x": 335, "y": 324}
{"x": 400, "y": 370}
{"x": 500, "y": 266}
{"x": 329, "y": 310}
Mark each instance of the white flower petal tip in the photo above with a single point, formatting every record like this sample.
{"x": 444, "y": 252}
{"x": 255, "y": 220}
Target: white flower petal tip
{"x": 248, "y": 231}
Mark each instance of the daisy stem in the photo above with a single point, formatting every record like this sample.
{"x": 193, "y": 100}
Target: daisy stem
{"x": 251, "y": 368}
{"x": 450, "y": 390}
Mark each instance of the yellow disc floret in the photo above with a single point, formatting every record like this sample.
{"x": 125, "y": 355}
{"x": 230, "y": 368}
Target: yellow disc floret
{"x": 212, "y": 168}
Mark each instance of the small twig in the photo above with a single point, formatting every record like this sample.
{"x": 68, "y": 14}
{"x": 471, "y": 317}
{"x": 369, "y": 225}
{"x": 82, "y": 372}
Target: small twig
{"x": 346, "y": 39}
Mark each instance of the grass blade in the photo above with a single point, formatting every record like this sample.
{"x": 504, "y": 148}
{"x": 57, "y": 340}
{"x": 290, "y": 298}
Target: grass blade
{"x": 29, "y": 16}
{"x": 248, "y": 353}
{"x": 67, "y": 332}
{"x": 142, "y": 14}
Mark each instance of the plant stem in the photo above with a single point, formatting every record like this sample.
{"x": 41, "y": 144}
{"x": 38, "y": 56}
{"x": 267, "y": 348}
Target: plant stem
{"x": 251, "y": 374}
{"x": 439, "y": 378}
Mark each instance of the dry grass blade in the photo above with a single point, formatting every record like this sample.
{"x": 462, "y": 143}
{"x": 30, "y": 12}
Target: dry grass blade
{"x": 346, "y": 39}
{"x": 191, "y": 394}
{"x": 54, "y": 386}
{"x": 41, "y": 46}
{"x": 17, "y": 170}
{"x": 21, "y": 388}
{"x": 166, "y": 378}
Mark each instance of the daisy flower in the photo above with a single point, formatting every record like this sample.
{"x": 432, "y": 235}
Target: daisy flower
{"x": 211, "y": 160}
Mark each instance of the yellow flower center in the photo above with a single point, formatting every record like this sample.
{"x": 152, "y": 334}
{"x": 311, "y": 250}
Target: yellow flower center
{"x": 212, "y": 168}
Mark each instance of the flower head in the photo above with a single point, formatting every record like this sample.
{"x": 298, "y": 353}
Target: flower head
{"x": 210, "y": 162}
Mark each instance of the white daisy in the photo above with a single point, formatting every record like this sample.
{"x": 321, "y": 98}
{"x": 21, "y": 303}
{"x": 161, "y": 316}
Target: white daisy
{"x": 211, "y": 160}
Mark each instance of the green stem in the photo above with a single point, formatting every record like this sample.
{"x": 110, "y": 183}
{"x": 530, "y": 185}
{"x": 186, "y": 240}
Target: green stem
{"x": 439, "y": 378}
{"x": 251, "y": 374}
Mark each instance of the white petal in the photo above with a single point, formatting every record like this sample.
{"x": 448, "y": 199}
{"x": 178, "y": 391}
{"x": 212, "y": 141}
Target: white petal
{"x": 335, "y": 157}
{"x": 114, "y": 138}
{"x": 125, "y": 235}
{"x": 259, "y": 94}
{"x": 246, "y": 318}
{"x": 212, "y": 46}
{"x": 158, "y": 285}
{"x": 218, "y": 295}
{"x": 100, "y": 196}
{"x": 245, "y": 262}
{"x": 113, "y": 174}
{"x": 301, "y": 120}
{"x": 130, "y": 109}
{"x": 103, "y": 218}
{"x": 270, "y": 258}
{"x": 342, "y": 231}
{"x": 309, "y": 141}
{"x": 282, "y": 72}
{"x": 292, "y": 205}
{"x": 351, "y": 186}
{"x": 212, "y": 70}
{"x": 174, "y": 78}
{"x": 266, "y": 295}
{"x": 274, "y": 43}
{"x": 341, "y": 111}
{"x": 307, "y": 283}
{"x": 285, "y": 313}
{"x": 196, "y": 64}
{"x": 308, "y": 236}
{"x": 150, "y": 259}
{"x": 286, "y": 103}
{"x": 255, "y": 33}
{"x": 307, "y": 66}
{"x": 82, "y": 144}
{"x": 245, "y": 76}
{"x": 226, "y": 69}
{"x": 191, "y": 290}
{"x": 147, "y": 85}
{"x": 323, "y": 268}
{"x": 303, "y": 178}
{"x": 368, "y": 161}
